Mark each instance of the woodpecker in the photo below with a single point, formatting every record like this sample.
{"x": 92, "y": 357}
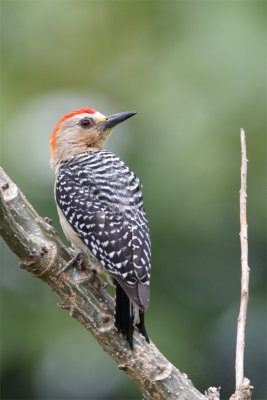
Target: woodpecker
{"x": 101, "y": 211}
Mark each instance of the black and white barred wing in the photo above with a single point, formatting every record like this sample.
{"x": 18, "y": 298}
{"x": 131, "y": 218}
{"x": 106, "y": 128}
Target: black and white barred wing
{"x": 122, "y": 249}
{"x": 109, "y": 218}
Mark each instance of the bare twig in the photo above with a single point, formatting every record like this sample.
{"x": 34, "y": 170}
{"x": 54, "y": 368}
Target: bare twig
{"x": 242, "y": 387}
{"x": 41, "y": 252}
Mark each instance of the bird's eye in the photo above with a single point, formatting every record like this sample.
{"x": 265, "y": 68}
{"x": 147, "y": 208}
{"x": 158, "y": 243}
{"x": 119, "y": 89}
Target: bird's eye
{"x": 85, "y": 123}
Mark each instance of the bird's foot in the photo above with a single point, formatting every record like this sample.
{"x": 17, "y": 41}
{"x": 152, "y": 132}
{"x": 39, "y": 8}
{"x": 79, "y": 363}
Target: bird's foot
{"x": 95, "y": 272}
{"x": 78, "y": 259}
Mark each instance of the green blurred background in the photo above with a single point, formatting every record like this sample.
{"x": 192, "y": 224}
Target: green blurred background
{"x": 195, "y": 72}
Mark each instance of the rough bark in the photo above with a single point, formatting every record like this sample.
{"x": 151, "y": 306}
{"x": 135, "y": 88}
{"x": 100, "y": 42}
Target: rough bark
{"x": 41, "y": 252}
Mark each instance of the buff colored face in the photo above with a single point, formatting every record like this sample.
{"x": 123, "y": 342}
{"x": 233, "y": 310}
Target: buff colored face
{"x": 82, "y": 130}
{"x": 76, "y": 134}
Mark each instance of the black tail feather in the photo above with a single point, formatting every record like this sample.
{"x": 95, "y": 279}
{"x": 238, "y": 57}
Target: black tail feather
{"x": 124, "y": 316}
{"x": 141, "y": 325}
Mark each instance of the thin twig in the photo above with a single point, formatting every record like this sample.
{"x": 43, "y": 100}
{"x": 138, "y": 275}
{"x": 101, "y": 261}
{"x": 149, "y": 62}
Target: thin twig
{"x": 240, "y": 339}
{"x": 242, "y": 384}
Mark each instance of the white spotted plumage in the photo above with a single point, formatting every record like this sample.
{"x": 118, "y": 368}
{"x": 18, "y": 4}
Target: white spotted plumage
{"x": 101, "y": 199}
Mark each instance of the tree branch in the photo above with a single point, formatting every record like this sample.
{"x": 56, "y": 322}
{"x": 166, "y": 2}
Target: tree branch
{"x": 243, "y": 390}
{"x": 41, "y": 252}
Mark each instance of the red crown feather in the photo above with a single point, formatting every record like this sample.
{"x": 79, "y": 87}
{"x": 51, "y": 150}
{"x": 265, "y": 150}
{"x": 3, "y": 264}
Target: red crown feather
{"x": 57, "y": 127}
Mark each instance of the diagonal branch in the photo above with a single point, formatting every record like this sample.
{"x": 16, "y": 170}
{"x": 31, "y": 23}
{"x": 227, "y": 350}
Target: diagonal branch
{"x": 41, "y": 252}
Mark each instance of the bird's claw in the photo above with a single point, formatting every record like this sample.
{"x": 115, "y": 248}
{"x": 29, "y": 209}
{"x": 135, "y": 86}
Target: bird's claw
{"x": 77, "y": 258}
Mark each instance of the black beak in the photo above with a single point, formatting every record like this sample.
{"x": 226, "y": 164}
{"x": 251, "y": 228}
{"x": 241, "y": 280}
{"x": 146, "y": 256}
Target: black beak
{"x": 115, "y": 119}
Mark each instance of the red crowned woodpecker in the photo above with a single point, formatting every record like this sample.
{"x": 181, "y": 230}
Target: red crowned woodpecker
{"x": 101, "y": 211}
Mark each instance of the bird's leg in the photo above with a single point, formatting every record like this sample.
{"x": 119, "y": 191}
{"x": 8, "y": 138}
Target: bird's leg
{"x": 78, "y": 258}
{"x": 72, "y": 252}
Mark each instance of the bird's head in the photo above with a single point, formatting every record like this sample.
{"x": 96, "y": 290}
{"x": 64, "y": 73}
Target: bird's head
{"x": 81, "y": 130}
